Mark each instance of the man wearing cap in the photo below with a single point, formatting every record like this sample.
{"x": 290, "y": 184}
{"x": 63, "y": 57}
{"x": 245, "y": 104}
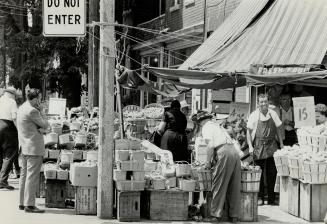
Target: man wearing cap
{"x": 8, "y": 135}
{"x": 263, "y": 127}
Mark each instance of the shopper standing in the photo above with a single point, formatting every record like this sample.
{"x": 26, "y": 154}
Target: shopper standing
{"x": 173, "y": 126}
{"x": 225, "y": 166}
{"x": 287, "y": 117}
{"x": 263, "y": 127}
{"x": 8, "y": 135}
{"x": 30, "y": 121}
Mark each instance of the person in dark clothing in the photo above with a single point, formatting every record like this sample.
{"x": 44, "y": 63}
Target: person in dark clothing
{"x": 173, "y": 126}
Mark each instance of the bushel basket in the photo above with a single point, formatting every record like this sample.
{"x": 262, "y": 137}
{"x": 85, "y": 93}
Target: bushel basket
{"x": 250, "y": 180}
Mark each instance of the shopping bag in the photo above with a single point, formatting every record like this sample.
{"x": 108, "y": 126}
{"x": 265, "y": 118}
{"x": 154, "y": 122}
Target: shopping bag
{"x": 155, "y": 138}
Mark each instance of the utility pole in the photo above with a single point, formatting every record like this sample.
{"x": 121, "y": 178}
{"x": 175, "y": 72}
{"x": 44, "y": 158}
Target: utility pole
{"x": 93, "y": 55}
{"x": 106, "y": 106}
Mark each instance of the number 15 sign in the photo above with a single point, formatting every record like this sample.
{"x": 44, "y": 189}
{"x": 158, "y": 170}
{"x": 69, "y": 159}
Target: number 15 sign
{"x": 304, "y": 111}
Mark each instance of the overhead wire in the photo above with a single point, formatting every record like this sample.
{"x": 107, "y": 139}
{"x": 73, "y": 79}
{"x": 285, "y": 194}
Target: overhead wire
{"x": 149, "y": 46}
{"x": 11, "y": 13}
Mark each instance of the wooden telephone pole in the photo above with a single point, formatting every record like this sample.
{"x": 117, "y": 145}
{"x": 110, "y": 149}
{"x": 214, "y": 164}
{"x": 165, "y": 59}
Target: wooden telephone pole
{"x": 106, "y": 106}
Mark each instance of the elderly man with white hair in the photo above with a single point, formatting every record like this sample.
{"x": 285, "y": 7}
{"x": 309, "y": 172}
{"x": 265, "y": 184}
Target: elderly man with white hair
{"x": 8, "y": 135}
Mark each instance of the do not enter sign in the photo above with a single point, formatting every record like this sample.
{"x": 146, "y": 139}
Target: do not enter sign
{"x": 64, "y": 18}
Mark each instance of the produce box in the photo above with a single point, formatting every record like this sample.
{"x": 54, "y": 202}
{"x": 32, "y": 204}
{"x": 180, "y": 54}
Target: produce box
{"x": 55, "y": 193}
{"x": 165, "y": 205}
{"x": 313, "y": 203}
{"x": 54, "y": 154}
{"x": 85, "y": 176}
{"x": 249, "y": 207}
{"x": 129, "y": 206}
{"x": 130, "y": 166}
{"x": 86, "y": 201}
{"x": 130, "y": 185}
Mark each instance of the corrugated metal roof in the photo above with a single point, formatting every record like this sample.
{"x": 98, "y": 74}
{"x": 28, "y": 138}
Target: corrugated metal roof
{"x": 289, "y": 32}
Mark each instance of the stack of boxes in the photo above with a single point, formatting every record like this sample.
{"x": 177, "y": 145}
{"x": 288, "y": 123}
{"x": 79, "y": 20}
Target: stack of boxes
{"x": 129, "y": 179}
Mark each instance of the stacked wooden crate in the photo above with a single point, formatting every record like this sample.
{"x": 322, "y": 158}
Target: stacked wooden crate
{"x": 129, "y": 178}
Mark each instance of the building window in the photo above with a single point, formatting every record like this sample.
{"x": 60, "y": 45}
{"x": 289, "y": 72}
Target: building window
{"x": 175, "y": 5}
{"x": 189, "y": 2}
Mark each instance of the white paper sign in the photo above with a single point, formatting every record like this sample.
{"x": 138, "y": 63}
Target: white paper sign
{"x": 57, "y": 106}
{"x": 64, "y": 18}
{"x": 304, "y": 111}
{"x": 240, "y": 109}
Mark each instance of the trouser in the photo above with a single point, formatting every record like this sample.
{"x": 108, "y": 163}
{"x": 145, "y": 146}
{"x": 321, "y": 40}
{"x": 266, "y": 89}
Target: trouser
{"x": 8, "y": 148}
{"x": 290, "y": 138}
{"x": 29, "y": 179}
{"x": 269, "y": 172}
{"x": 226, "y": 182}
{"x": 16, "y": 163}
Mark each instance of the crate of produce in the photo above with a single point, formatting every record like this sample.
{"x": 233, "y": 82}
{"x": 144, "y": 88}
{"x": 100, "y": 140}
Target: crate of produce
{"x": 129, "y": 206}
{"x": 281, "y": 162}
{"x": 86, "y": 201}
{"x": 130, "y": 185}
{"x": 122, "y": 144}
{"x": 293, "y": 196}
{"x": 56, "y": 128}
{"x": 77, "y": 154}
{"x": 130, "y": 166}
{"x": 62, "y": 174}
{"x": 50, "y": 171}
{"x": 165, "y": 205}
{"x": 80, "y": 140}
{"x": 295, "y": 167}
{"x": 183, "y": 169}
{"x": 55, "y": 193}
{"x": 54, "y": 153}
{"x": 249, "y": 207}
{"x": 64, "y": 139}
{"x": 315, "y": 172}
{"x": 51, "y": 139}
{"x": 250, "y": 179}
{"x": 313, "y": 203}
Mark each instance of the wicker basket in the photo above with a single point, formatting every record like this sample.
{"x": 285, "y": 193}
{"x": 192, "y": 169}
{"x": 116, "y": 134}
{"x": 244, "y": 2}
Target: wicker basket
{"x": 315, "y": 172}
{"x": 51, "y": 138}
{"x": 130, "y": 108}
{"x": 80, "y": 140}
{"x": 183, "y": 169}
{"x": 130, "y": 185}
{"x": 64, "y": 139}
{"x": 281, "y": 163}
{"x": 50, "y": 171}
{"x": 56, "y": 129}
{"x": 204, "y": 179}
{"x": 250, "y": 180}
{"x": 187, "y": 185}
{"x": 294, "y": 168}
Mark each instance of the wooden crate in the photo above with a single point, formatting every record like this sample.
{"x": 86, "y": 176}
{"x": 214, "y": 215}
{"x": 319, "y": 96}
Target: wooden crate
{"x": 70, "y": 191}
{"x": 40, "y": 190}
{"x": 55, "y": 193}
{"x": 293, "y": 196}
{"x": 128, "y": 208}
{"x": 165, "y": 205}
{"x": 283, "y": 194}
{"x": 86, "y": 201}
{"x": 249, "y": 207}
{"x": 313, "y": 205}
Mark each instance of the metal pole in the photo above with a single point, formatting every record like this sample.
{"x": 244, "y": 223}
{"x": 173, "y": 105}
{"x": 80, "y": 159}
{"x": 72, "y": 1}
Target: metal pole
{"x": 106, "y": 106}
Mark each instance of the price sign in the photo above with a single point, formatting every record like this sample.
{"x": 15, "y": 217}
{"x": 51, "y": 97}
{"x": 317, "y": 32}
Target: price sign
{"x": 57, "y": 106}
{"x": 304, "y": 111}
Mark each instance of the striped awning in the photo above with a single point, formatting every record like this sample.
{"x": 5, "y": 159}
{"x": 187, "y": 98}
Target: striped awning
{"x": 285, "y": 32}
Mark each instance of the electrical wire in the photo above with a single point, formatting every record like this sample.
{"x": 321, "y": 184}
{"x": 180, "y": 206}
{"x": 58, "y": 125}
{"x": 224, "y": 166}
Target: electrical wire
{"x": 10, "y": 13}
{"x": 12, "y": 6}
{"x": 149, "y": 46}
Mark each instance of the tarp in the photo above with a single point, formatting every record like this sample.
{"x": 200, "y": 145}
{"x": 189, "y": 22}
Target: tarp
{"x": 288, "y": 32}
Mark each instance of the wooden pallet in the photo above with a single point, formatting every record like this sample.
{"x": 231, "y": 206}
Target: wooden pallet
{"x": 129, "y": 206}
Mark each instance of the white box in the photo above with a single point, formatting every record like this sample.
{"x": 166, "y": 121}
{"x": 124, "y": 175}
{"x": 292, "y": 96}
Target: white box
{"x": 84, "y": 176}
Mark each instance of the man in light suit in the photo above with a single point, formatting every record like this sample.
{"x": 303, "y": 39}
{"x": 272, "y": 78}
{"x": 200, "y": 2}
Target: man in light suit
{"x": 30, "y": 122}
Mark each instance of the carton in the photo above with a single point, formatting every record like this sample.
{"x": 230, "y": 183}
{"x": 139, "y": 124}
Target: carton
{"x": 83, "y": 176}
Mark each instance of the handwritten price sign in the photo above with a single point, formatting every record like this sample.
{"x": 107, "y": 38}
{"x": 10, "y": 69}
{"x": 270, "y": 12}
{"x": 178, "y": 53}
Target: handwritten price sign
{"x": 304, "y": 111}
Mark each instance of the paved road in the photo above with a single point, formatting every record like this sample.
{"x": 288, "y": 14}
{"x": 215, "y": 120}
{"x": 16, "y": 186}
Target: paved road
{"x": 9, "y": 214}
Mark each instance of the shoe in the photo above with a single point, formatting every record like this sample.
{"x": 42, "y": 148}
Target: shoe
{"x": 260, "y": 202}
{"x": 21, "y": 207}
{"x": 6, "y": 186}
{"x": 33, "y": 209}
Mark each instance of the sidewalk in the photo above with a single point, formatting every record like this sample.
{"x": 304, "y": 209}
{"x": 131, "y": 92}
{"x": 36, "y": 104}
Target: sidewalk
{"x": 9, "y": 213}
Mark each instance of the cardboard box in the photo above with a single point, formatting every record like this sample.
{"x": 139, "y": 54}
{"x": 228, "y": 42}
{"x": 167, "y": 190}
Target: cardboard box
{"x": 84, "y": 176}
